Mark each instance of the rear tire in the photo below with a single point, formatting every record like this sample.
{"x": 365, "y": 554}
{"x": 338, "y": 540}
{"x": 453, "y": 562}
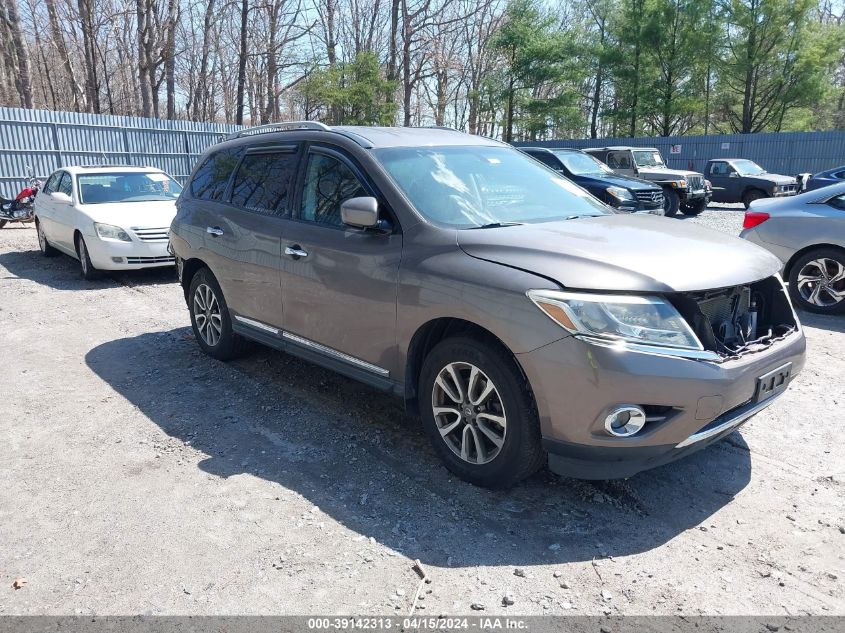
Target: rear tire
{"x": 671, "y": 202}
{"x": 695, "y": 208}
{"x": 43, "y": 244}
{"x": 3, "y": 223}
{"x": 815, "y": 280}
{"x": 490, "y": 440}
{"x": 210, "y": 318}
{"x": 86, "y": 267}
{"x": 750, "y": 196}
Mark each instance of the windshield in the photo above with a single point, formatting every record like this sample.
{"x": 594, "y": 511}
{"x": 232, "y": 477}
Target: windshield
{"x": 470, "y": 187}
{"x": 582, "y": 164}
{"x": 131, "y": 186}
{"x": 748, "y": 168}
{"x": 648, "y": 158}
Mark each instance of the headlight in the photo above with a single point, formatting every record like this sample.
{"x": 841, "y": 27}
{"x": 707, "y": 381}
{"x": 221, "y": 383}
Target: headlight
{"x": 679, "y": 184}
{"x": 619, "y": 193}
{"x": 111, "y": 232}
{"x": 637, "y": 319}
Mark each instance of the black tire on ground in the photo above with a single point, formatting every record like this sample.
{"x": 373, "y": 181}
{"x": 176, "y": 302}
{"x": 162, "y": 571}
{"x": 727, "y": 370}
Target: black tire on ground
{"x": 671, "y": 202}
{"x": 815, "y": 270}
{"x": 521, "y": 453}
{"x": 751, "y": 195}
{"x": 3, "y": 223}
{"x": 207, "y": 305}
{"x": 43, "y": 244}
{"x": 85, "y": 266}
{"x": 694, "y": 208}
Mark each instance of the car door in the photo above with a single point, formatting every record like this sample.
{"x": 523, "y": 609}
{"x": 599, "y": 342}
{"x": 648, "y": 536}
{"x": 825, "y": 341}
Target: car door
{"x": 622, "y": 162}
{"x": 245, "y": 231}
{"x": 44, "y": 203}
{"x": 64, "y": 214}
{"x": 339, "y": 283}
{"x": 719, "y": 177}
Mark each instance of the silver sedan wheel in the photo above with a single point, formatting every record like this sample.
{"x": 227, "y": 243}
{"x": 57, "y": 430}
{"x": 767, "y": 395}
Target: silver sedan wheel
{"x": 821, "y": 282}
{"x": 469, "y": 413}
{"x": 207, "y": 315}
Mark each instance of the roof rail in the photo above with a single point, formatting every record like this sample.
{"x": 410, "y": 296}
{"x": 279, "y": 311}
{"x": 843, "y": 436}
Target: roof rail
{"x": 280, "y": 127}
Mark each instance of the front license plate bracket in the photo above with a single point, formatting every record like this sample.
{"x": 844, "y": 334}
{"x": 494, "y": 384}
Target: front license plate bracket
{"x": 772, "y": 383}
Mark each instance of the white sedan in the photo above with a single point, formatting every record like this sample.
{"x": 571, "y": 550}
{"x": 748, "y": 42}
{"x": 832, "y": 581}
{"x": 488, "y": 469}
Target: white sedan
{"x": 109, "y": 218}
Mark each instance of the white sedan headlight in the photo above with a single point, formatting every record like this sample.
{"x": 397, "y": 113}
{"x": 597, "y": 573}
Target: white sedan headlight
{"x": 111, "y": 232}
{"x": 632, "y": 318}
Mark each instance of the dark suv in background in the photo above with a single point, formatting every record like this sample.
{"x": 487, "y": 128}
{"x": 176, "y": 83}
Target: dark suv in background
{"x": 743, "y": 180}
{"x": 621, "y": 192}
{"x": 518, "y": 315}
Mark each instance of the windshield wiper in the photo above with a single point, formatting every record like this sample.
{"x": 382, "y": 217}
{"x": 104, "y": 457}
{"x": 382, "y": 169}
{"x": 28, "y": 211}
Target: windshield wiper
{"x": 496, "y": 225}
{"x": 584, "y": 215}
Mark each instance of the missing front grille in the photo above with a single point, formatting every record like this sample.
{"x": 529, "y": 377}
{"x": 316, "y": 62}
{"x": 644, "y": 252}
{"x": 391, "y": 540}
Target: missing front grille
{"x": 738, "y": 320}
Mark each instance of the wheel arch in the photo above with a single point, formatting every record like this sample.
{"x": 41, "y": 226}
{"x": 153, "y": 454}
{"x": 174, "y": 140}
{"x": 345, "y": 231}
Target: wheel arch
{"x": 430, "y": 334}
{"x": 190, "y": 267}
{"x": 787, "y": 269}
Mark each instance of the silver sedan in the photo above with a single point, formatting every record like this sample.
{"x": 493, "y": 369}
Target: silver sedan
{"x": 807, "y": 233}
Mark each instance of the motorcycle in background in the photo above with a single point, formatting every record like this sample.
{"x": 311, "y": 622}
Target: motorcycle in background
{"x": 21, "y": 209}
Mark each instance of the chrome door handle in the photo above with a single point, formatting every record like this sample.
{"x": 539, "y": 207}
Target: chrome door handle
{"x": 214, "y": 230}
{"x": 295, "y": 251}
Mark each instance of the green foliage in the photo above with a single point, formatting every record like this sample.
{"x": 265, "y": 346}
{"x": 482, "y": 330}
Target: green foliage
{"x": 351, "y": 94}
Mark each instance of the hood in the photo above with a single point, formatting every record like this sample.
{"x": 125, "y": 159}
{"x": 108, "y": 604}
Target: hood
{"x": 638, "y": 253}
{"x": 777, "y": 179}
{"x": 664, "y": 173}
{"x": 154, "y": 215}
{"x": 617, "y": 180}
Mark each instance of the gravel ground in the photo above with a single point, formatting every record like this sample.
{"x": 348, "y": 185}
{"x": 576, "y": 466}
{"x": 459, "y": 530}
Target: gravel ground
{"x": 143, "y": 477}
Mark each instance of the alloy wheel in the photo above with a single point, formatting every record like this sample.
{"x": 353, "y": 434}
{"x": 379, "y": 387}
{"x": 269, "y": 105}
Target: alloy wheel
{"x": 207, "y": 315}
{"x": 821, "y": 282}
{"x": 83, "y": 256}
{"x": 469, "y": 413}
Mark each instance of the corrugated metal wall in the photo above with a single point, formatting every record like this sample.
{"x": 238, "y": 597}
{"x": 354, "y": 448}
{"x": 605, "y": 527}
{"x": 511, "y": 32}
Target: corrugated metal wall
{"x": 48, "y": 140}
{"x": 785, "y": 152}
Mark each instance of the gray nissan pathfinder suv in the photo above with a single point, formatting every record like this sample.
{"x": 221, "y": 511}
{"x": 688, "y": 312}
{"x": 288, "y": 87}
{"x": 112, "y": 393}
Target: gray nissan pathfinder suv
{"x": 521, "y": 318}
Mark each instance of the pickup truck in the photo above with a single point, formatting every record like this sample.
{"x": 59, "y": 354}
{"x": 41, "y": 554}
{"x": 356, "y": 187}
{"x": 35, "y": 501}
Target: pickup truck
{"x": 743, "y": 180}
{"x": 683, "y": 190}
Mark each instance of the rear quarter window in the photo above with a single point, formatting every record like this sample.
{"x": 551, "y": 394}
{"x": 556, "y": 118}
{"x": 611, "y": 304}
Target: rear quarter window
{"x": 211, "y": 179}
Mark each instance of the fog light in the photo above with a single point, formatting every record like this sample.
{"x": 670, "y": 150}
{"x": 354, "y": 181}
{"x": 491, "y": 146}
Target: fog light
{"x": 625, "y": 421}
{"x": 117, "y": 260}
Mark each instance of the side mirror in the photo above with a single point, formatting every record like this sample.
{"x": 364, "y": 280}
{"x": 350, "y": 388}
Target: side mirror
{"x": 733, "y": 174}
{"x": 360, "y": 212}
{"x": 59, "y": 196}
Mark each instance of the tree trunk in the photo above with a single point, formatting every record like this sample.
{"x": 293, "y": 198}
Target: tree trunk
{"x": 201, "y": 93}
{"x": 170, "y": 57}
{"x": 239, "y": 107}
{"x": 144, "y": 35}
{"x": 23, "y": 81}
{"x": 92, "y": 84}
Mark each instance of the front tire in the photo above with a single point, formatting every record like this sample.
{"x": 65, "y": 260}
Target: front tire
{"x": 750, "y": 196}
{"x": 695, "y": 208}
{"x": 479, "y": 413}
{"x": 86, "y": 267}
{"x": 3, "y": 223}
{"x": 43, "y": 244}
{"x": 210, "y": 318}
{"x": 817, "y": 281}
{"x": 671, "y": 202}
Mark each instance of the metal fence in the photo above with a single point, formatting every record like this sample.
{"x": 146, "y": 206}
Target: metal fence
{"x": 46, "y": 140}
{"x": 785, "y": 152}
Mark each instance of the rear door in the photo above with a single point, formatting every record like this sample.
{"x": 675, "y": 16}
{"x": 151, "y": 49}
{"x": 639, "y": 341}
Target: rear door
{"x": 244, "y": 232}
{"x": 64, "y": 214}
{"x": 44, "y": 204}
{"x": 339, "y": 283}
{"x": 622, "y": 162}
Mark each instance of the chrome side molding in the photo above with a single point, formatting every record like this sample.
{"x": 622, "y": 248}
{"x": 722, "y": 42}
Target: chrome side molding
{"x": 312, "y": 345}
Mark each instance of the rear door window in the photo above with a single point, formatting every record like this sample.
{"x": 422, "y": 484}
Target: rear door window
{"x": 212, "y": 178}
{"x": 263, "y": 182}
{"x": 65, "y": 184}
